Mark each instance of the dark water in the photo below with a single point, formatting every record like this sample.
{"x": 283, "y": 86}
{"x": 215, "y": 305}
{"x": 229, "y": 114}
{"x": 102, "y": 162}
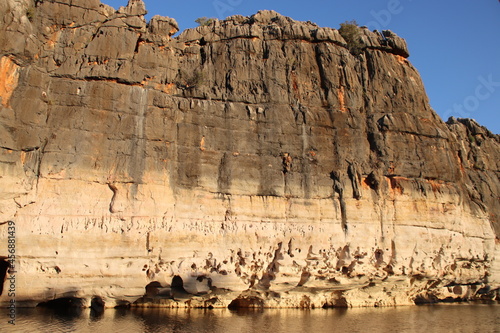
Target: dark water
{"x": 436, "y": 318}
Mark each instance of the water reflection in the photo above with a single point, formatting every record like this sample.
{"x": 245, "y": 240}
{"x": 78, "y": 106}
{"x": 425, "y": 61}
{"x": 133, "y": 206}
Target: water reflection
{"x": 437, "y": 318}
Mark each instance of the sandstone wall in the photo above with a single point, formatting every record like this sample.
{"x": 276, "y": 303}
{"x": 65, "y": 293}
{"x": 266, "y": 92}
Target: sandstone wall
{"x": 256, "y": 159}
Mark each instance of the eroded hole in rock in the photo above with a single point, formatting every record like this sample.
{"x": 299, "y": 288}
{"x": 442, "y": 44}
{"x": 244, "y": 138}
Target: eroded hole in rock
{"x": 457, "y": 290}
{"x": 304, "y": 278}
{"x": 265, "y": 54}
{"x": 153, "y": 288}
{"x": 340, "y": 301}
{"x": 66, "y": 306}
{"x": 4, "y": 267}
{"x": 425, "y": 299}
{"x": 63, "y": 302}
{"x": 203, "y": 56}
{"x": 379, "y": 257}
{"x": 389, "y": 269}
{"x": 97, "y": 305}
{"x": 265, "y": 281}
{"x": 305, "y": 302}
{"x": 122, "y": 304}
{"x": 372, "y": 181}
{"x": 246, "y": 302}
{"x": 177, "y": 283}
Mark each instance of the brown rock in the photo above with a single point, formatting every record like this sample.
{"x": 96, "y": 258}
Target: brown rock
{"x": 163, "y": 25}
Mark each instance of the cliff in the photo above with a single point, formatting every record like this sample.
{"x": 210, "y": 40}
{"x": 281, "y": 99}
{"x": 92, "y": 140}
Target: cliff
{"x": 255, "y": 161}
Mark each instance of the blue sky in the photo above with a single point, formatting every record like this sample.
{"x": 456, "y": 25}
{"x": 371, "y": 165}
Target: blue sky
{"x": 455, "y": 45}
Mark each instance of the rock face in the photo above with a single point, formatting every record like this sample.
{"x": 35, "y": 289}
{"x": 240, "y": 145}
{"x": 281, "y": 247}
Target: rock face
{"x": 251, "y": 162}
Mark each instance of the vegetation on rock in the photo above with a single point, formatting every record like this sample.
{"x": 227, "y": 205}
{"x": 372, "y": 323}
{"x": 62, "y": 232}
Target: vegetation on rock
{"x": 350, "y": 31}
{"x": 203, "y": 21}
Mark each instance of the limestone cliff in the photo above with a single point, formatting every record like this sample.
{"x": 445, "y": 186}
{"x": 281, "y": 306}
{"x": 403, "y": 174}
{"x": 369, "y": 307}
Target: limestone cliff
{"x": 252, "y": 162}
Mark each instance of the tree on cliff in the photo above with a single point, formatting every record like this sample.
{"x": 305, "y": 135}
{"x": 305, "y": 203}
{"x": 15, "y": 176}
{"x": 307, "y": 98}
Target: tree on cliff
{"x": 350, "y": 31}
{"x": 204, "y": 20}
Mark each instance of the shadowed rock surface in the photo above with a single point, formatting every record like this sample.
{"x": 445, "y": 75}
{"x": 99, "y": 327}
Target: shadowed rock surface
{"x": 252, "y": 162}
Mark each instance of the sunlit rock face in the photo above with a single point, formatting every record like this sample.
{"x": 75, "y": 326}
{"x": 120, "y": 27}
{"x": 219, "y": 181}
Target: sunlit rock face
{"x": 252, "y": 162}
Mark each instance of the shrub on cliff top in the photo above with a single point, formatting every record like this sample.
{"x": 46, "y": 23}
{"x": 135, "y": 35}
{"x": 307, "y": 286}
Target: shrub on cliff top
{"x": 204, "y": 20}
{"x": 350, "y": 31}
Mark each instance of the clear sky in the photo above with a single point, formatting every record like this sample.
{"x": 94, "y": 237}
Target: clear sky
{"x": 455, "y": 45}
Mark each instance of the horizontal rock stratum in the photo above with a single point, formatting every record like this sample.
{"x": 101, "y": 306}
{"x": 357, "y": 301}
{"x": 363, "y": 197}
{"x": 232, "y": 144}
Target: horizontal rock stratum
{"x": 254, "y": 161}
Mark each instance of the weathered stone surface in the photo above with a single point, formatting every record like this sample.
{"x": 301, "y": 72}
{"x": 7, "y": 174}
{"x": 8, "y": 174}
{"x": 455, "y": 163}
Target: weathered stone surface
{"x": 251, "y": 162}
{"x": 479, "y": 159}
{"x": 160, "y": 25}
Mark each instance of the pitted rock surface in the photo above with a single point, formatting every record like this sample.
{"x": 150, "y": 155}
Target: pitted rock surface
{"x": 251, "y": 162}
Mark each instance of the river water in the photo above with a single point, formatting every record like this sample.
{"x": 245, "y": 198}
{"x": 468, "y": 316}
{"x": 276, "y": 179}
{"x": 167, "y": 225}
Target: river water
{"x": 428, "y": 319}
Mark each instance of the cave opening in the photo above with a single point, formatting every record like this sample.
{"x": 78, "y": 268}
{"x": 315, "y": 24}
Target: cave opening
{"x": 63, "y": 303}
{"x": 97, "y": 306}
{"x": 177, "y": 283}
{"x": 248, "y": 302}
{"x": 70, "y": 307}
{"x": 153, "y": 288}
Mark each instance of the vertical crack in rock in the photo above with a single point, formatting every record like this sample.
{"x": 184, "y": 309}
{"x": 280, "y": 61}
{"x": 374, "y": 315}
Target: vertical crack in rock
{"x": 373, "y": 182}
{"x": 299, "y": 113}
{"x": 370, "y": 65}
{"x": 148, "y": 248}
{"x": 324, "y": 82}
{"x": 290, "y": 248}
{"x": 114, "y": 189}
{"x": 286, "y": 161}
{"x": 392, "y": 261}
{"x": 339, "y": 189}
{"x": 31, "y": 159}
{"x": 224, "y": 175}
{"x": 39, "y": 157}
{"x": 139, "y": 98}
{"x": 306, "y": 165}
{"x": 203, "y": 55}
{"x": 355, "y": 177}
{"x": 382, "y": 217}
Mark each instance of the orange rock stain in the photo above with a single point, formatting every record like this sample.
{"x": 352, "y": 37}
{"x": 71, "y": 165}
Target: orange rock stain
{"x": 340, "y": 94}
{"x": 202, "y": 143}
{"x": 364, "y": 183}
{"x": 401, "y": 60}
{"x": 435, "y": 185}
{"x": 166, "y": 88}
{"x": 9, "y": 77}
